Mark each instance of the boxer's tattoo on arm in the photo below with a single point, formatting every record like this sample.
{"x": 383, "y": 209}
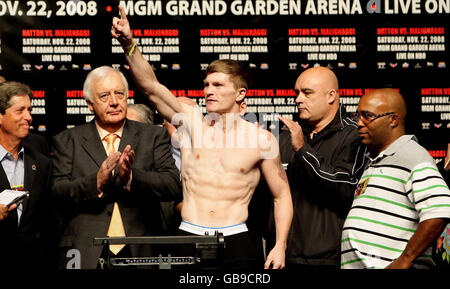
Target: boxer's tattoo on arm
{"x": 282, "y": 173}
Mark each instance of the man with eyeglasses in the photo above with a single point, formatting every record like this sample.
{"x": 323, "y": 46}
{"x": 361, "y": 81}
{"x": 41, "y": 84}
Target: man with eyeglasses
{"x": 402, "y": 203}
{"x": 324, "y": 160}
{"x": 110, "y": 174}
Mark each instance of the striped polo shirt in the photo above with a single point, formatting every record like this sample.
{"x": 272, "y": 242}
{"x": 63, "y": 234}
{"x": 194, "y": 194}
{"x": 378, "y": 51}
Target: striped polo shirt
{"x": 400, "y": 188}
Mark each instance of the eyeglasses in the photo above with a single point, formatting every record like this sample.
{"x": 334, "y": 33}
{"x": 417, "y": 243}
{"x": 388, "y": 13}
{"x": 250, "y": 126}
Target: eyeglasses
{"x": 106, "y": 96}
{"x": 368, "y": 117}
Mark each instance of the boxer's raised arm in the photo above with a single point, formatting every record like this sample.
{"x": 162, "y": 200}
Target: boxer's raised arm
{"x": 158, "y": 95}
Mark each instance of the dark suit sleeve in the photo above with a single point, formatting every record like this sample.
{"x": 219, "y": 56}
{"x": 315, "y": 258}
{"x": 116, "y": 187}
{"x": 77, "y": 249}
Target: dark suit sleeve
{"x": 162, "y": 180}
{"x": 67, "y": 188}
{"x": 51, "y": 228}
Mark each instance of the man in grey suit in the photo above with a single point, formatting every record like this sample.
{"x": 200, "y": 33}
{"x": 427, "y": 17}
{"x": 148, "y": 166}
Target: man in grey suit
{"x": 110, "y": 174}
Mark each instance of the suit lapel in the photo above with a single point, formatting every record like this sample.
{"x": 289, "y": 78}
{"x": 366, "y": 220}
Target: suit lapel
{"x": 93, "y": 145}
{"x": 4, "y": 183}
{"x": 30, "y": 168}
{"x": 8, "y": 225}
{"x": 130, "y": 136}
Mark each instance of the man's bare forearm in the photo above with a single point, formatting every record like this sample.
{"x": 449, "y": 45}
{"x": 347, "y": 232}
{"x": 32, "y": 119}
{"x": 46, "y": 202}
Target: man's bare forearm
{"x": 158, "y": 95}
{"x": 283, "y": 213}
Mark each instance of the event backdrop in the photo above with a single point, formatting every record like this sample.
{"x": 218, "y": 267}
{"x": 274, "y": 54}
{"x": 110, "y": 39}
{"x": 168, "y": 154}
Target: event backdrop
{"x": 403, "y": 44}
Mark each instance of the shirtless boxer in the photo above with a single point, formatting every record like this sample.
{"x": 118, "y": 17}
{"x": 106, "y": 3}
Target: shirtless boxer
{"x": 221, "y": 155}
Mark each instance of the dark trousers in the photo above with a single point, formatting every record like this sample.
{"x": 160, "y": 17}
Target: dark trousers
{"x": 242, "y": 251}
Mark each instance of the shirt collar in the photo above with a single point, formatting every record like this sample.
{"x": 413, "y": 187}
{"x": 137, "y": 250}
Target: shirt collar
{"x": 393, "y": 147}
{"x": 4, "y": 152}
{"x": 104, "y": 133}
